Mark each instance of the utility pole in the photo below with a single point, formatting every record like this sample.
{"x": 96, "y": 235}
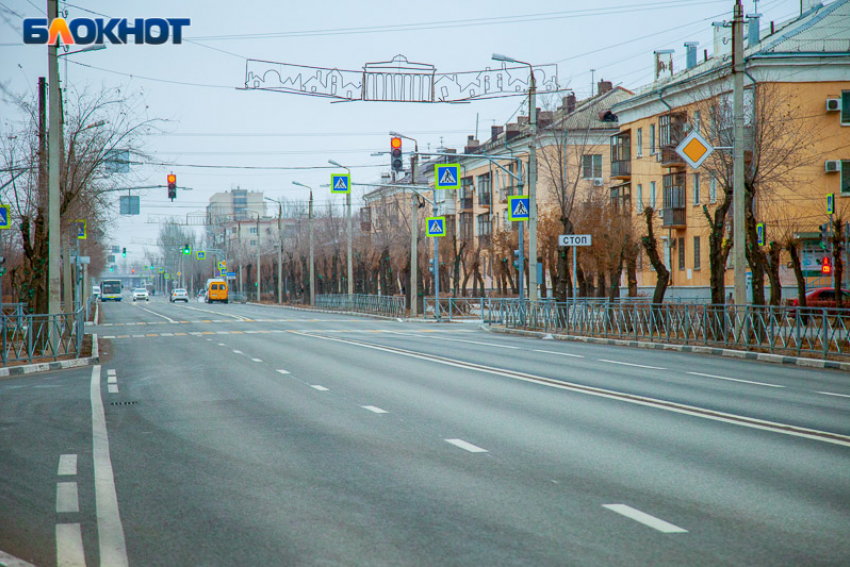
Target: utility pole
{"x": 350, "y": 239}
{"x": 532, "y": 190}
{"x": 239, "y": 244}
{"x": 739, "y": 236}
{"x": 258, "y": 257}
{"x": 312, "y": 271}
{"x": 279, "y": 254}
{"x": 54, "y": 148}
{"x": 414, "y": 238}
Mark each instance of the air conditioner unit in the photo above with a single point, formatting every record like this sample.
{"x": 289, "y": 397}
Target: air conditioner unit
{"x": 597, "y": 183}
{"x": 832, "y": 166}
{"x": 833, "y": 104}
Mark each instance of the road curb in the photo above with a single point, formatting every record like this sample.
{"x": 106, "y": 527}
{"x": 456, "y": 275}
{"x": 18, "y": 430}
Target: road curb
{"x": 715, "y": 351}
{"x": 58, "y": 365}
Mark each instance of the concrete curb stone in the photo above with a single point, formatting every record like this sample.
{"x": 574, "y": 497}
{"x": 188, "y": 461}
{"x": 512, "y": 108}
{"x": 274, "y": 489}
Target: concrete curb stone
{"x": 58, "y": 365}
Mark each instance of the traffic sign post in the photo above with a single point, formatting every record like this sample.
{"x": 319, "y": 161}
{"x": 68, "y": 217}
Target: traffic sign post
{"x": 694, "y": 149}
{"x": 447, "y": 176}
{"x": 340, "y": 183}
{"x": 436, "y": 226}
{"x": 574, "y": 240}
{"x": 5, "y": 217}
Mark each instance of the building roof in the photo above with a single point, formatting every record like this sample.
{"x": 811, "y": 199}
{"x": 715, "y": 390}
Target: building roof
{"x": 823, "y": 29}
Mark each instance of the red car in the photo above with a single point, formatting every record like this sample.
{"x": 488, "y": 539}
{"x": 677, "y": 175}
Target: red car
{"x": 822, "y": 297}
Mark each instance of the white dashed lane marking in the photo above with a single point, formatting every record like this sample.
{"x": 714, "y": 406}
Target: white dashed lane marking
{"x": 466, "y": 446}
{"x": 67, "y": 465}
{"x": 67, "y": 500}
{"x": 374, "y": 409}
{"x": 630, "y": 364}
{"x": 834, "y": 394}
{"x": 735, "y": 380}
{"x": 319, "y": 388}
{"x": 645, "y": 519}
{"x": 282, "y": 371}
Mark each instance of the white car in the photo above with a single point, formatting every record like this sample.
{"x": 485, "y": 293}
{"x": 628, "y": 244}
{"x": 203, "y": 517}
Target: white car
{"x": 179, "y": 294}
{"x": 140, "y": 294}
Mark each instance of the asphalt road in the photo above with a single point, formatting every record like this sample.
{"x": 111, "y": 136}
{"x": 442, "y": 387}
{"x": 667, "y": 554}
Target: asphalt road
{"x": 247, "y": 435}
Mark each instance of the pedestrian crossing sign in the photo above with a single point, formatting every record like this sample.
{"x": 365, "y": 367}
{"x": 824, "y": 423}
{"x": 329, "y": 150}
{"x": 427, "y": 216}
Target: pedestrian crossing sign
{"x": 162, "y": 270}
{"x": 5, "y": 217}
{"x": 447, "y": 176}
{"x": 80, "y": 229}
{"x": 202, "y": 255}
{"x": 518, "y": 208}
{"x": 436, "y": 226}
{"x": 340, "y": 183}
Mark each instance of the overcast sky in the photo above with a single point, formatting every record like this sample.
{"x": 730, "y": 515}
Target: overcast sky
{"x": 195, "y": 85}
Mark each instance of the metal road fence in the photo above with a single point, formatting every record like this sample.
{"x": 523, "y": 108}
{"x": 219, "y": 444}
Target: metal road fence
{"x": 47, "y": 337}
{"x": 485, "y": 309}
{"x": 787, "y": 330}
{"x": 386, "y": 305}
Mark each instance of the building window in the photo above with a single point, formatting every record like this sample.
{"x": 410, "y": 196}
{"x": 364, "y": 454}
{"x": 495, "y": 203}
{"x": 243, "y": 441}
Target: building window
{"x": 591, "y": 166}
{"x": 252, "y": 230}
{"x": 652, "y": 194}
{"x": 652, "y": 139}
{"x": 712, "y": 189}
{"x": 697, "y": 120}
{"x": 484, "y": 224}
{"x": 640, "y": 198}
{"x": 845, "y": 107}
{"x": 696, "y": 188}
{"x": 696, "y": 253}
{"x": 845, "y": 177}
{"x": 484, "y": 189}
{"x": 253, "y": 243}
{"x": 681, "y": 246}
{"x": 639, "y": 142}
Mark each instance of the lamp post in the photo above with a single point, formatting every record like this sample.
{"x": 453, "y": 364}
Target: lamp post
{"x": 279, "y": 250}
{"x": 310, "y": 225}
{"x": 350, "y": 232}
{"x": 414, "y": 229}
{"x": 532, "y": 175}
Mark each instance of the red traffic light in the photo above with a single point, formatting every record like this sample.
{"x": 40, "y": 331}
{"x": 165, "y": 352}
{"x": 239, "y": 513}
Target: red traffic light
{"x": 826, "y": 267}
{"x": 171, "y": 178}
{"x": 395, "y": 142}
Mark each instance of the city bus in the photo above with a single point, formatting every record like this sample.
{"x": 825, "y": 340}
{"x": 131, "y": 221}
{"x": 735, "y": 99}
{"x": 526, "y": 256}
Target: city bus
{"x": 110, "y": 290}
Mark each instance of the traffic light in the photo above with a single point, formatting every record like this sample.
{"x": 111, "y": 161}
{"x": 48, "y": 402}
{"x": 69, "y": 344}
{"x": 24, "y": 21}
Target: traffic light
{"x": 824, "y": 235}
{"x": 2, "y": 266}
{"x": 760, "y": 234}
{"x": 432, "y": 266}
{"x": 172, "y": 186}
{"x": 516, "y": 259}
{"x": 826, "y": 266}
{"x": 187, "y": 249}
{"x": 395, "y": 153}
{"x": 111, "y": 268}
{"x": 124, "y": 252}
{"x": 133, "y": 271}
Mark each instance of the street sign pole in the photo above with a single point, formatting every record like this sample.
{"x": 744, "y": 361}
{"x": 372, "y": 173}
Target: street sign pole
{"x": 436, "y": 264}
{"x": 521, "y": 260}
{"x": 575, "y": 277}
{"x": 574, "y": 241}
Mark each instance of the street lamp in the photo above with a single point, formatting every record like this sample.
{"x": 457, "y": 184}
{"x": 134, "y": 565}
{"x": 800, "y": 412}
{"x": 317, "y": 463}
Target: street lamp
{"x": 414, "y": 230}
{"x": 279, "y": 250}
{"x": 532, "y": 174}
{"x": 350, "y": 230}
{"x": 310, "y": 225}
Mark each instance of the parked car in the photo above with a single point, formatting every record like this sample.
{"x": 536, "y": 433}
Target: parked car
{"x": 140, "y": 294}
{"x": 820, "y": 298}
{"x": 179, "y": 294}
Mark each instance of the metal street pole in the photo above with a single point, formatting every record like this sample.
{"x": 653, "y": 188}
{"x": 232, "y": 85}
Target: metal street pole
{"x": 414, "y": 228}
{"x": 521, "y": 260}
{"x": 310, "y": 225}
{"x": 279, "y": 254}
{"x": 54, "y": 140}
{"x": 350, "y": 270}
{"x": 259, "y": 271}
{"x": 738, "y": 188}
{"x": 239, "y": 243}
{"x": 436, "y": 264}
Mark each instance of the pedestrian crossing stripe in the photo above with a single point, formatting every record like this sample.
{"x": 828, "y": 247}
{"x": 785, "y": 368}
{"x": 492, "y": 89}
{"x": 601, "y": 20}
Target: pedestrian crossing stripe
{"x": 340, "y": 183}
{"x": 436, "y": 226}
{"x": 518, "y": 208}
{"x": 447, "y": 176}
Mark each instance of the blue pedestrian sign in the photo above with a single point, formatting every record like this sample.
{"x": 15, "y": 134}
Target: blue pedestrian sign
{"x": 436, "y": 226}
{"x": 518, "y": 208}
{"x": 340, "y": 183}
{"x": 202, "y": 255}
{"x": 80, "y": 229}
{"x": 447, "y": 176}
{"x": 5, "y": 217}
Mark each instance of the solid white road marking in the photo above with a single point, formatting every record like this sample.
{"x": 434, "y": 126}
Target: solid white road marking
{"x": 67, "y": 465}
{"x": 834, "y": 394}
{"x": 112, "y": 379}
{"x": 282, "y": 371}
{"x": 630, "y": 364}
{"x": 110, "y": 532}
{"x": 256, "y": 359}
{"x": 466, "y": 446}
{"x": 69, "y": 546}
{"x": 113, "y": 388}
{"x": 684, "y": 409}
{"x": 645, "y": 519}
{"x": 319, "y": 388}
{"x": 169, "y": 319}
{"x": 560, "y": 353}
{"x": 374, "y": 409}
{"x": 67, "y": 500}
{"x": 735, "y": 380}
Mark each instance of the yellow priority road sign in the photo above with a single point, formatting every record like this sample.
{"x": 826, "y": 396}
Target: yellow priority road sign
{"x": 694, "y": 149}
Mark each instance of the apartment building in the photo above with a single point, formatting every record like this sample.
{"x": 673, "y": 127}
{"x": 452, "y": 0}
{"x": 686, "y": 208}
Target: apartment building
{"x": 797, "y": 141}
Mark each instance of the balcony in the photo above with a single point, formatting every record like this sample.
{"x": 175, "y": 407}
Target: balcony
{"x": 466, "y": 204}
{"x": 621, "y": 155}
{"x": 671, "y": 131}
{"x": 668, "y": 157}
{"x": 675, "y": 194}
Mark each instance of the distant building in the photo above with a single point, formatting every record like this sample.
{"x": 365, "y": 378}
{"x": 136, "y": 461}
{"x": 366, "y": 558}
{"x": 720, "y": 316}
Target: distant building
{"x": 235, "y": 204}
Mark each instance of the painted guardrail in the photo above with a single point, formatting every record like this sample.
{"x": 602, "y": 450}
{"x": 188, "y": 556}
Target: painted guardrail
{"x": 41, "y": 337}
{"x": 388, "y": 306}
